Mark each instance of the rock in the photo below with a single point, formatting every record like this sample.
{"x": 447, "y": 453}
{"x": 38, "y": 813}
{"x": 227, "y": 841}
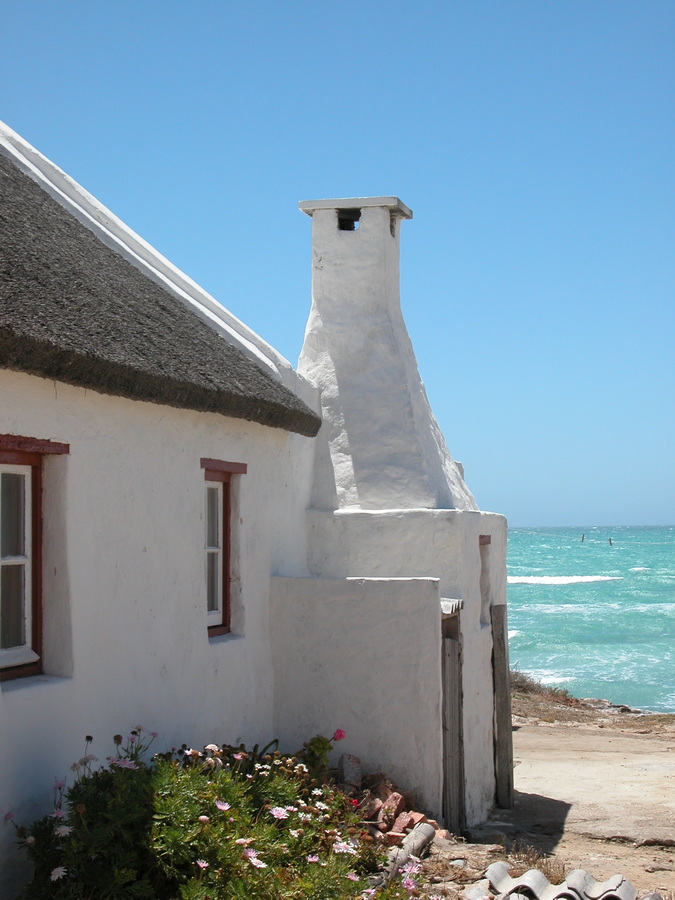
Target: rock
{"x": 379, "y": 785}
{"x": 349, "y": 790}
{"x": 349, "y": 769}
{"x": 382, "y": 791}
{"x": 447, "y": 843}
{"x": 479, "y": 891}
{"x": 370, "y": 807}
{"x": 375, "y": 778}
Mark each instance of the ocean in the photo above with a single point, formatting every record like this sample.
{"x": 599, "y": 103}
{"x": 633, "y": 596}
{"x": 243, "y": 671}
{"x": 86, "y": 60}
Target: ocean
{"x": 595, "y": 618}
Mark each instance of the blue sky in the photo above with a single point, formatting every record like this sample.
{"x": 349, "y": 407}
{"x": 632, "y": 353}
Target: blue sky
{"x": 533, "y": 140}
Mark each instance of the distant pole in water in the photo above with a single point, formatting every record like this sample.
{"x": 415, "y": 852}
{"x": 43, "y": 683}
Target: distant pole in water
{"x": 582, "y": 538}
{"x": 610, "y": 542}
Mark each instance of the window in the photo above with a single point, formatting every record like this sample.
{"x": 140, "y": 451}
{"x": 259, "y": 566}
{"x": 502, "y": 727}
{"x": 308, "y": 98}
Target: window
{"x": 21, "y": 464}
{"x": 217, "y": 541}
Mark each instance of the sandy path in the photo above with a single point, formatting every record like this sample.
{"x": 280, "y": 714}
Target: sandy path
{"x": 595, "y": 788}
{"x": 602, "y": 796}
{"x": 617, "y": 785}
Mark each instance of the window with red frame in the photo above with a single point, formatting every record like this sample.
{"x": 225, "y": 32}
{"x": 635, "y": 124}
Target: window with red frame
{"x": 21, "y": 467}
{"x": 218, "y": 475}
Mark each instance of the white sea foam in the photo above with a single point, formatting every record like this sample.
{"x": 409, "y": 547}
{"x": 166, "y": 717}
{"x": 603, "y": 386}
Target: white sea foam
{"x": 560, "y": 579}
{"x": 513, "y": 633}
{"x": 552, "y": 679}
{"x": 546, "y": 676}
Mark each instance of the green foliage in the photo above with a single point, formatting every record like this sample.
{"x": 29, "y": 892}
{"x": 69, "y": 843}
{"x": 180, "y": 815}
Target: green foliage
{"x": 219, "y": 824}
{"x": 315, "y": 753}
{"x": 99, "y": 846}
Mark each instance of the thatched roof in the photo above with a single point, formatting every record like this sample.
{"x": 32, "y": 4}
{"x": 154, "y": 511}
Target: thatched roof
{"x": 74, "y": 310}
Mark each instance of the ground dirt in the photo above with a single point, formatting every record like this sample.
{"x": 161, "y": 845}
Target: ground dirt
{"x": 594, "y": 789}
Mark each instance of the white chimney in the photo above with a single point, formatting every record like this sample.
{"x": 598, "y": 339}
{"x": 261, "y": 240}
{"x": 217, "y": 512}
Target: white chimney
{"x": 380, "y": 446}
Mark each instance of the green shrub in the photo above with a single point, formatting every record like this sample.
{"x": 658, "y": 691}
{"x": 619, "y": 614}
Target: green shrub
{"x": 218, "y": 824}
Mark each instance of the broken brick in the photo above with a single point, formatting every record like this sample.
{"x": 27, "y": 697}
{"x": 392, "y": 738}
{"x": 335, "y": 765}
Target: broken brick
{"x": 420, "y": 817}
{"x": 394, "y": 838}
{"x": 370, "y": 807}
{"x": 391, "y": 808}
{"x": 404, "y": 821}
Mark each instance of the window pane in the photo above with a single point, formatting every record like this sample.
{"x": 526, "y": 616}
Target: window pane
{"x": 12, "y": 514}
{"x": 12, "y": 618}
{"x": 212, "y": 582}
{"x": 212, "y": 517}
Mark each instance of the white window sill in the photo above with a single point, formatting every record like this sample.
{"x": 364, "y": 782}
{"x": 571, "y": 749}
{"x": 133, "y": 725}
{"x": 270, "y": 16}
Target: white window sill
{"x": 17, "y": 684}
{"x": 17, "y": 656}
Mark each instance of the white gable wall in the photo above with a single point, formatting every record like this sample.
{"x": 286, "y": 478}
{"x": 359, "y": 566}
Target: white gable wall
{"x": 341, "y": 662}
{"x": 124, "y": 589}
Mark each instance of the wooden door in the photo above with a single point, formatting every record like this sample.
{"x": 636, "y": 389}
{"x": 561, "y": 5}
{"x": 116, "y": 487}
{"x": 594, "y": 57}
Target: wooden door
{"x": 453, "y": 768}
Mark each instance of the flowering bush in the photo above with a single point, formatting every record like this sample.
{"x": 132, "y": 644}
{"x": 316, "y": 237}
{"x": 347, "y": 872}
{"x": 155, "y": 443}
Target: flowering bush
{"x": 222, "y": 823}
{"x": 96, "y": 840}
{"x": 315, "y": 752}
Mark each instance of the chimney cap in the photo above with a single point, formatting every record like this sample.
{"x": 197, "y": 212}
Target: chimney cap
{"x": 391, "y": 203}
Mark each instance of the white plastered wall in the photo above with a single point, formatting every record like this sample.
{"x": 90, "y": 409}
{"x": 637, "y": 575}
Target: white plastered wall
{"x": 380, "y": 446}
{"x": 124, "y": 597}
{"x": 388, "y": 499}
{"x": 443, "y": 544}
{"x": 356, "y": 654}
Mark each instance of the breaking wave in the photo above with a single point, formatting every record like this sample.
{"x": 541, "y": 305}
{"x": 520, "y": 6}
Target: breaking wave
{"x": 560, "y": 579}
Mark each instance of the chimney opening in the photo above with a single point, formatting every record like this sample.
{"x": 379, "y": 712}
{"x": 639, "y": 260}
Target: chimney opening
{"x": 392, "y": 224}
{"x": 348, "y": 219}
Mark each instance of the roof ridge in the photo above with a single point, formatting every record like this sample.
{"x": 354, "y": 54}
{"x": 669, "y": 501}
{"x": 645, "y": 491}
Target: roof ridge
{"x": 117, "y": 235}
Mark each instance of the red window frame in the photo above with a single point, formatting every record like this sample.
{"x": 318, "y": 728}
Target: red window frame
{"x": 219, "y": 470}
{"x": 17, "y": 450}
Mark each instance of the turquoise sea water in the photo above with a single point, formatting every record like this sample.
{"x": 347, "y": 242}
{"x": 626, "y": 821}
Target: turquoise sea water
{"x": 595, "y": 618}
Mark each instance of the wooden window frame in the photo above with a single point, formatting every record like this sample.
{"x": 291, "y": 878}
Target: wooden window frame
{"x": 222, "y": 472}
{"x": 16, "y": 450}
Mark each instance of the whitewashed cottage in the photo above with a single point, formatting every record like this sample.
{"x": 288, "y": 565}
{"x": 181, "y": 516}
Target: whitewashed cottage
{"x": 199, "y": 538}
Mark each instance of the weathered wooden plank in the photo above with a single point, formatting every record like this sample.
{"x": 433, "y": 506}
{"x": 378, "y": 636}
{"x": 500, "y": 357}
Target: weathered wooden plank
{"x": 453, "y": 774}
{"x": 503, "y": 727}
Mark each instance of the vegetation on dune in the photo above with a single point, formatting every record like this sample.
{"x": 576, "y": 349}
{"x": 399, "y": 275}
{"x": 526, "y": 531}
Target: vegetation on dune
{"x": 522, "y": 683}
